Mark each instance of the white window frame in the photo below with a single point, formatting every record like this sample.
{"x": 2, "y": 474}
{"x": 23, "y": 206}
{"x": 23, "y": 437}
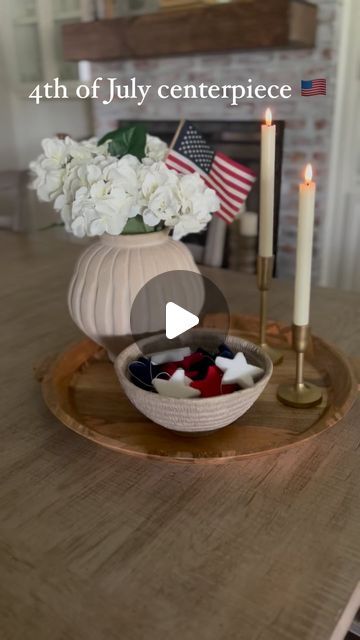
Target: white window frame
{"x": 46, "y": 26}
{"x": 340, "y": 256}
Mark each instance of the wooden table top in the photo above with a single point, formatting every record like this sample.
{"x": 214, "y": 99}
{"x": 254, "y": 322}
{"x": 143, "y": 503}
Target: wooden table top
{"x": 95, "y": 545}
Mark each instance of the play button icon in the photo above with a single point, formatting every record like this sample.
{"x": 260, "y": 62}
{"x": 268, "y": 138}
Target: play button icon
{"x": 171, "y": 307}
{"x": 178, "y": 320}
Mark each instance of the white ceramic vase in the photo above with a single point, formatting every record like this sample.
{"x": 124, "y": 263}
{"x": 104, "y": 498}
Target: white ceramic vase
{"x": 111, "y": 272}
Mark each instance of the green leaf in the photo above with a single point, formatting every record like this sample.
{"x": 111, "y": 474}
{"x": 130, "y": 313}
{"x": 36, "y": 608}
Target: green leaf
{"x": 137, "y": 225}
{"x": 131, "y": 139}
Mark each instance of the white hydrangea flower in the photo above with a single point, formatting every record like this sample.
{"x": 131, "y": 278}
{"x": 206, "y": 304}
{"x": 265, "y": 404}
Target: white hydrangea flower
{"x": 49, "y": 169}
{"x": 154, "y": 176}
{"x": 96, "y": 193}
{"x": 106, "y": 204}
{"x": 59, "y": 156}
{"x": 198, "y": 202}
{"x": 155, "y": 149}
{"x": 86, "y": 150}
{"x": 159, "y": 194}
{"x": 56, "y": 152}
{"x": 47, "y": 183}
{"x": 124, "y": 173}
{"x": 163, "y": 205}
{"x": 78, "y": 175}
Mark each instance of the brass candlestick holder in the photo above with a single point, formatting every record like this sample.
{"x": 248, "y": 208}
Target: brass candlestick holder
{"x": 264, "y": 277}
{"x": 301, "y": 393}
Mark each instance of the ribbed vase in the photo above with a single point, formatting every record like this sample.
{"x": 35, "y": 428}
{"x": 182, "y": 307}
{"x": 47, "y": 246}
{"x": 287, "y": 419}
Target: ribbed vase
{"x": 111, "y": 272}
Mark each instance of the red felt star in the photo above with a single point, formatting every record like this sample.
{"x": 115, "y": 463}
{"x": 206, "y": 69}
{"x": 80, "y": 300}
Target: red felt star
{"x": 211, "y": 385}
{"x": 186, "y": 363}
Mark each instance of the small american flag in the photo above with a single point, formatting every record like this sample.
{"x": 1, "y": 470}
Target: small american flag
{"x": 232, "y": 181}
{"x": 315, "y": 87}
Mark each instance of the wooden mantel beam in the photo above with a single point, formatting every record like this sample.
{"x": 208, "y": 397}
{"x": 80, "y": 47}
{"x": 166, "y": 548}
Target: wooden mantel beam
{"x": 250, "y": 24}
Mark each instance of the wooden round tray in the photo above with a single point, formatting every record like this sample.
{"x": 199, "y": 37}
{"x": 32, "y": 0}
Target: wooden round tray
{"x": 82, "y": 391}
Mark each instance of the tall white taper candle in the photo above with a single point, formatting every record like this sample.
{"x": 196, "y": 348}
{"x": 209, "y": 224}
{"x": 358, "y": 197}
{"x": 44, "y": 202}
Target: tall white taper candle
{"x": 304, "y": 249}
{"x": 267, "y": 185}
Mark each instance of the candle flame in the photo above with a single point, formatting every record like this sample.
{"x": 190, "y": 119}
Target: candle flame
{"x": 268, "y": 117}
{"x": 308, "y": 173}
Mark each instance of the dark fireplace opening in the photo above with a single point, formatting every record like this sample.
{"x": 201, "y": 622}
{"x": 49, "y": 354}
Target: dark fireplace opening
{"x": 240, "y": 140}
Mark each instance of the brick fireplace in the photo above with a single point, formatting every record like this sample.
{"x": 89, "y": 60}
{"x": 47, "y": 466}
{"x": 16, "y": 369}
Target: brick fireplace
{"x": 308, "y": 125}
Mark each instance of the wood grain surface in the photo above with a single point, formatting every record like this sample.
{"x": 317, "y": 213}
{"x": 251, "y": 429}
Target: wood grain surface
{"x": 214, "y": 28}
{"x": 100, "y": 546}
{"x": 82, "y": 390}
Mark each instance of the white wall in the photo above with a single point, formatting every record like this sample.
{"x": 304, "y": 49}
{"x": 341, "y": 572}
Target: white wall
{"x": 34, "y": 122}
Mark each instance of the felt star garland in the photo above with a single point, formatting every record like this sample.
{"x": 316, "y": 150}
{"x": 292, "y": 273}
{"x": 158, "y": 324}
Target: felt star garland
{"x": 179, "y": 373}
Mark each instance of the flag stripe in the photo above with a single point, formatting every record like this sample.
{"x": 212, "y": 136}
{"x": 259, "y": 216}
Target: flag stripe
{"x": 239, "y": 168}
{"x": 221, "y": 169}
{"x": 224, "y": 216}
{"x": 236, "y": 185}
{"x": 235, "y": 194}
{"x": 230, "y": 204}
{"x": 229, "y": 170}
{"x": 175, "y": 160}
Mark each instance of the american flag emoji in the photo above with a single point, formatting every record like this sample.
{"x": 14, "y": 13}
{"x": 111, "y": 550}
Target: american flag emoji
{"x": 232, "y": 181}
{"x": 315, "y": 87}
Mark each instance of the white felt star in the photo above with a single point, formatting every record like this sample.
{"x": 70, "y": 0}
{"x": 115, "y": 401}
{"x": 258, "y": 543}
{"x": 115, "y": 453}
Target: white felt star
{"x": 173, "y": 355}
{"x": 238, "y": 371}
{"x": 176, "y": 387}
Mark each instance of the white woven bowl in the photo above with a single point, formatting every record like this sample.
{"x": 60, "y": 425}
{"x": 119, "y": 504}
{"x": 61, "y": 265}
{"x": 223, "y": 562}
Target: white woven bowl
{"x": 196, "y": 415}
